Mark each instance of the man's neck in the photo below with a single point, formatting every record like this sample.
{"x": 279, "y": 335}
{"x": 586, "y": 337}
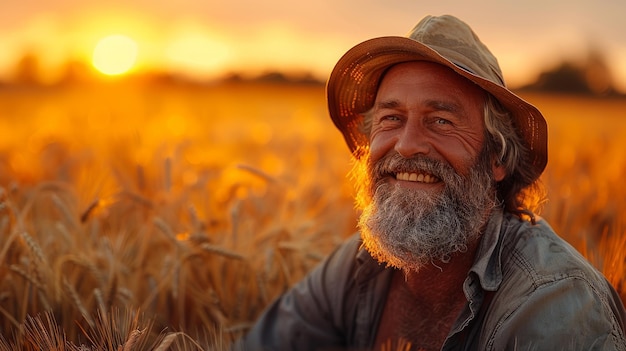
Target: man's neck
{"x": 422, "y": 306}
{"x": 444, "y": 281}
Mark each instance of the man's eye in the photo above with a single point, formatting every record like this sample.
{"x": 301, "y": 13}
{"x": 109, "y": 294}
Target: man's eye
{"x": 442, "y": 121}
{"x": 390, "y": 118}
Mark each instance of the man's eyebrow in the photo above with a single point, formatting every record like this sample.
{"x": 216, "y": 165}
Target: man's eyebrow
{"x": 388, "y": 104}
{"x": 437, "y": 105}
{"x": 447, "y": 106}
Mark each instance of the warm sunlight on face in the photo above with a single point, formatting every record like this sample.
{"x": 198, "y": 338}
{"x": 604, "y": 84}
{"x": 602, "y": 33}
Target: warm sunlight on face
{"x": 114, "y": 54}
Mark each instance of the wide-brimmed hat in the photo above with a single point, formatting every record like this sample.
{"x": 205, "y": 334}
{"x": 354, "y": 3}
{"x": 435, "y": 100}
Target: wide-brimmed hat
{"x": 446, "y": 40}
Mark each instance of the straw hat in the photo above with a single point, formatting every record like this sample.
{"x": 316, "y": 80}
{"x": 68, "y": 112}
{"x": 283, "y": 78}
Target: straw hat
{"x": 446, "y": 40}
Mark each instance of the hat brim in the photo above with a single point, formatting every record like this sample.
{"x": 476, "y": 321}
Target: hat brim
{"x": 352, "y": 86}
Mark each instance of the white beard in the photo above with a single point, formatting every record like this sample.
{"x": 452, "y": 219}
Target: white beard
{"x": 409, "y": 229}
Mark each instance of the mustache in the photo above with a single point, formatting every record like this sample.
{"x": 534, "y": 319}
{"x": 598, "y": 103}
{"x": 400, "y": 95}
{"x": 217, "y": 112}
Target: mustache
{"x": 393, "y": 163}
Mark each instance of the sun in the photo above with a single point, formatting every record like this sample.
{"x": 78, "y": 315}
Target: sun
{"x": 115, "y": 54}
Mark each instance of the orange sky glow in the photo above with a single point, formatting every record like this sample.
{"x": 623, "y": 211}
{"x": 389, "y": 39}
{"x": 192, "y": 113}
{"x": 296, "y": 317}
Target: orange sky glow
{"x": 208, "y": 39}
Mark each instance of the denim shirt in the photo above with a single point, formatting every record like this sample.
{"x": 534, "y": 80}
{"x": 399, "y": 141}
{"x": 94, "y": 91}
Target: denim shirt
{"x": 527, "y": 289}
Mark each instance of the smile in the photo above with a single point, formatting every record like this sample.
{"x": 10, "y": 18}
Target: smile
{"x": 417, "y": 177}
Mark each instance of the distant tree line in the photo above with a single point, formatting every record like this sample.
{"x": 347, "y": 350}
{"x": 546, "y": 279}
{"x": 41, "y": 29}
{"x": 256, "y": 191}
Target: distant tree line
{"x": 591, "y": 77}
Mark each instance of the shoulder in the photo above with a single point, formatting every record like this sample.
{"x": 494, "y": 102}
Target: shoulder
{"x": 310, "y": 315}
{"x": 342, "y": 273}
{"x": 550, "y": 294}
{"x": 335, "y": 271}
{"x": 540, "y": 255}
{"x": 340, "y": 265}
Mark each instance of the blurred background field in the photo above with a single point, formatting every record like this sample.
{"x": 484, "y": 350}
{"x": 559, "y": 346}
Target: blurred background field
{"x": 193, "y": 205}
{"x": 181, "y": 210}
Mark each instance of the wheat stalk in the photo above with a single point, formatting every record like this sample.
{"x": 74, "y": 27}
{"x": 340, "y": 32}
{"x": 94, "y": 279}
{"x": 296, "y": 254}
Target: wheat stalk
{"x": 67, "y": 237}
{"x": 165, "y": 229}
{"x": 67, "y": 213}
{"x": 112, "y": 292}
{"x": 34, "y": 248}
{"x": 221, "y": 251}
{"x": 26, "y": 275}
{"x": 141, "y": 178}
{"x": 5, "y": 223}
{"x": 90, "y": 208}
{"x": 257, "y": 172}
{"x": 97, "y": 293}
{"x": 78, "y": 303}
{"x": 167, "y": 170}
{"x": 77, "y": 260}
{"x": 167, "y": 341}
{"x": 7, "y": 245}
{"x": 196, "y": 223}
{"x": 10, "y": 318}
{"x": 46, "y": 336}
{"x": 133, "y": 338}
{"x": 142, "y": 200}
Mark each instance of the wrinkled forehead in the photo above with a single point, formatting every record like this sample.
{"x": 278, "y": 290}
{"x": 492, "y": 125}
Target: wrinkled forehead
{"x": 442, "y": 88}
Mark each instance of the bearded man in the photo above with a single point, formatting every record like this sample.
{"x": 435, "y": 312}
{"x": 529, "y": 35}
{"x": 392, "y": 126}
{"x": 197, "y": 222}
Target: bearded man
{"x": 449, "y": 255}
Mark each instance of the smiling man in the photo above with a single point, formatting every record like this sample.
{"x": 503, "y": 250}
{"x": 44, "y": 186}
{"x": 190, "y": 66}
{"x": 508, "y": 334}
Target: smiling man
{"x": 450, "y": 255}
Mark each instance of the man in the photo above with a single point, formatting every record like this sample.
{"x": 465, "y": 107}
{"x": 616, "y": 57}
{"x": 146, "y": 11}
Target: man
{"x": 450, "y": 255}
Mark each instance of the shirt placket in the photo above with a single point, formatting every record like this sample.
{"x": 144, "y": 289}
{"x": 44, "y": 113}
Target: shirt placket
{"x": 460, "y": 337}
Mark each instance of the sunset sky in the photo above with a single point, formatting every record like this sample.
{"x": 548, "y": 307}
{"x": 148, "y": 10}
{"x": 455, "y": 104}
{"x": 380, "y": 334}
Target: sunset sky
{"x": 205, "y": 39}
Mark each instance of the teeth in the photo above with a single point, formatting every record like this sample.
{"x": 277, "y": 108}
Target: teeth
{"x": 416, "y": 177}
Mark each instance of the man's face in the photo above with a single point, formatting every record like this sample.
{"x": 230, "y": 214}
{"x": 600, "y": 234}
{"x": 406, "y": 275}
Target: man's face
{"x": 429, "y": 183}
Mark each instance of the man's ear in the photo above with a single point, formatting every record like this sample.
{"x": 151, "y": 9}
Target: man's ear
{"x": 498, "y": 169}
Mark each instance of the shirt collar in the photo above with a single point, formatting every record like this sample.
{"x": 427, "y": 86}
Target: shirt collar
{"x": 487, "y": 264}
{"x": 367, "y": 266}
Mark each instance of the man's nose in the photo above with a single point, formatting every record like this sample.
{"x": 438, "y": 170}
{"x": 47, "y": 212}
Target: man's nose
{"x": 413, "y": 140}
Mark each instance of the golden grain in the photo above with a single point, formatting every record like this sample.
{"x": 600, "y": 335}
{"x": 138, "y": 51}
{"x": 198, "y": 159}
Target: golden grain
{"x": 258, "y": 209}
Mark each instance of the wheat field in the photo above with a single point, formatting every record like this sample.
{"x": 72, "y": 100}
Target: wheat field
{"x": 140, "y": 216}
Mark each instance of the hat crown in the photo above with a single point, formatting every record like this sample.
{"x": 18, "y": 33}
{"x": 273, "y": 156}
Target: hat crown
{"x": 457, "y": 42}
{"x": 446, "y": 40}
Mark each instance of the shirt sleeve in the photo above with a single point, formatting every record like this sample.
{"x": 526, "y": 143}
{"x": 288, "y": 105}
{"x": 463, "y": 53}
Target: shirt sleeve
{"x": 311, "y": 315}
{"x": 567, "y": 314}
